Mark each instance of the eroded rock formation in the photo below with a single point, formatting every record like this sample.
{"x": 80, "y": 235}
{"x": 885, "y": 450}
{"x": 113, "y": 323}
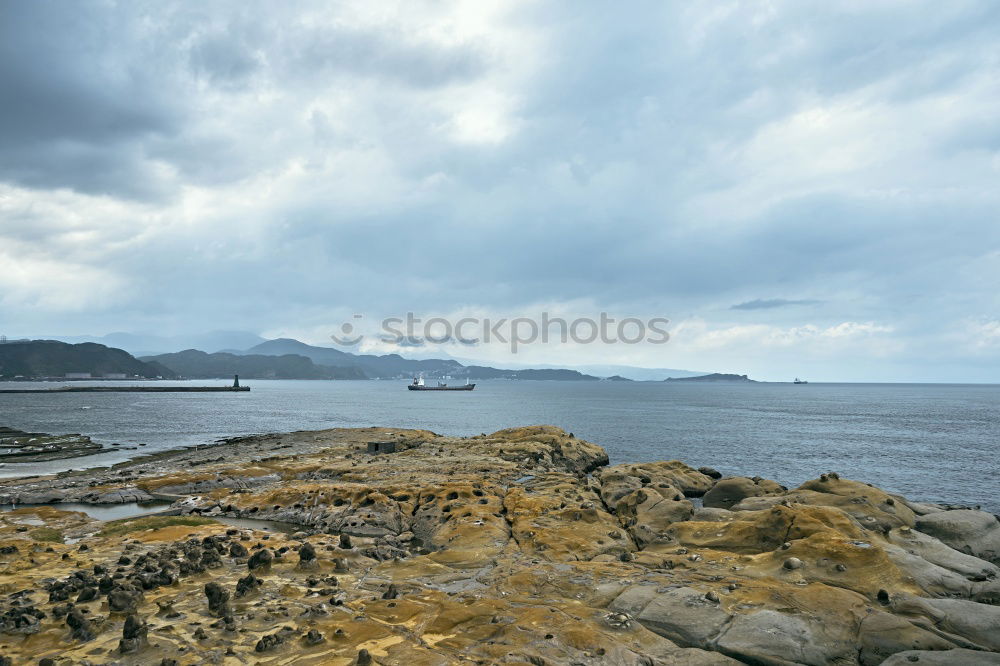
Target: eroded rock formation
{"x": 518, "y": 547}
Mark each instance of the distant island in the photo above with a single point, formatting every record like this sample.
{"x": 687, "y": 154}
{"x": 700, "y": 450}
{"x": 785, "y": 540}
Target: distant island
{"x": 714, "y": 377}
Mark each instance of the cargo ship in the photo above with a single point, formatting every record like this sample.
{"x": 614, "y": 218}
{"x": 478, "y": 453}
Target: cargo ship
{"x": 418, "y": 385}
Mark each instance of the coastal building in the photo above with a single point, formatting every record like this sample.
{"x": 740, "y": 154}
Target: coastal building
{"x": 115, "y": 375}
{"x": 77, "y": 375}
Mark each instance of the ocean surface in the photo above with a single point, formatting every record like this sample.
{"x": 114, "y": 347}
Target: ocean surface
{"x": 930, "y": 442}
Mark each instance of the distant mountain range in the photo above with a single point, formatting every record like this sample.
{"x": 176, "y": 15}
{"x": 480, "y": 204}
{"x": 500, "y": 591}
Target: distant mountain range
{"x": 387, "y": 366}
{"x": 394, "y": 366}
{"x": 200, "y": 365}
{"x": 149, "y": 344}
{"x": 286, "y": 358}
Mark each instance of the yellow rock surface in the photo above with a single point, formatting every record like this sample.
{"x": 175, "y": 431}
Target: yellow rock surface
{"x": 518, "y": 547}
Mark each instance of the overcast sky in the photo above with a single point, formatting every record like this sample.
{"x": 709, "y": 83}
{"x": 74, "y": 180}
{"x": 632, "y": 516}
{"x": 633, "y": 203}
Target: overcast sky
{"x": 802, "y": 188}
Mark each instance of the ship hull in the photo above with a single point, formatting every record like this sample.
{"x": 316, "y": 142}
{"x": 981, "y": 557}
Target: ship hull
{"x": 467, "y": 387}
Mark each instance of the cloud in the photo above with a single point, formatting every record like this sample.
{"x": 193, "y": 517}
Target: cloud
{"x": 56, "y": 287}
{"x": 770, "y": 303}
{"x": 236, "y": 165}
{"x": 979, "y": 336}
{"x": 699, "y": 334}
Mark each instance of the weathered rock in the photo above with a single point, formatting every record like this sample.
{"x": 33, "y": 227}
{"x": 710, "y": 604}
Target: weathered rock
{"x": 133, "y": 635}
{"x": 871, "y": 507}
{"x": 247, "y": 584}
{"x": 767, "y": 636}
{"x": 197, "y": 486}
{"x": 957, "y": 657}
{"x": 218, "y": 599}
{"x": 271, "y": 641}
{"x": 730, "y": 491}
{"x": 16, "y": 618}
{"x": 972, "y": 532}
{"x": 554, "y": 518}
{"x": 124, "y": 598}
{"x": 79, "y": 626}
{"x": 669, "y": 477}
{"x": 708, "y": 514}
{"x": 882, "y": 635}
{"x": 307, "y": 555}
{"x": 979, "y": 623}
{"x": 123, "y": 496}
{"x": 491, "y": 549}
{"x": 680, "y": 614}
{"x": 936, "y": 552}
{"x": 260, "y": 560}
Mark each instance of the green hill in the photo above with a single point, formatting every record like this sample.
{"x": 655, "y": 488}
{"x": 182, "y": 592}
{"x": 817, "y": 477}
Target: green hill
{"x": 50, "y": 358}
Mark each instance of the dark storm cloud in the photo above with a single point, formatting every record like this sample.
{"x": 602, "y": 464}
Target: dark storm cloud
{"x": 73, "y": 113}
{"x": 109, "y": 98}
{"x": 771, "y": 303}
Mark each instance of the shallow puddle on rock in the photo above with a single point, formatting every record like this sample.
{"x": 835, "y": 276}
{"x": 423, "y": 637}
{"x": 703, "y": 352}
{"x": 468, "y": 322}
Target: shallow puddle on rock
{"x": 28, "y": 521}
{"x": 262, "y": 525}
{"x": 101, "y": 511}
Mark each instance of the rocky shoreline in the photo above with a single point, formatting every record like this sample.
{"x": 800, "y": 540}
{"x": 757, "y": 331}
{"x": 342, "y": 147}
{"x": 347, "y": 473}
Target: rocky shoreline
{"x": 521, "y": 547}
{"x": 24, "y": 447}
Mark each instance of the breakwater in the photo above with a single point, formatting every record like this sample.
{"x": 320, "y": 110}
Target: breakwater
{"x": 132, "y": 389}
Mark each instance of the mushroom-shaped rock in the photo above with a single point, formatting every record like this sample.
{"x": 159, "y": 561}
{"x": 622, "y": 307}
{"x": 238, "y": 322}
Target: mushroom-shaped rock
{"x": 247, "y": 584}
{"x": 79, "y": 625}
{"x": 260, "y": 560}
{"x": 218, "y": 599}
{"x": 307, "y": 552}
{"x": 133, "y": 634}
{"x": 124, "y": 599}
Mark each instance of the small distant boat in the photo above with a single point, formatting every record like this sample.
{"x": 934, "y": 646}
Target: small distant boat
{"x": 418, "y": 385}
{"x": 800, "y": 381}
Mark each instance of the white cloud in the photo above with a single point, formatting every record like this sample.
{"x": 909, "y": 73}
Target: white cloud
{"x": 57, "y": 286}
{"x": 699, "y": 335}
{"x": 981, "y": 336}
